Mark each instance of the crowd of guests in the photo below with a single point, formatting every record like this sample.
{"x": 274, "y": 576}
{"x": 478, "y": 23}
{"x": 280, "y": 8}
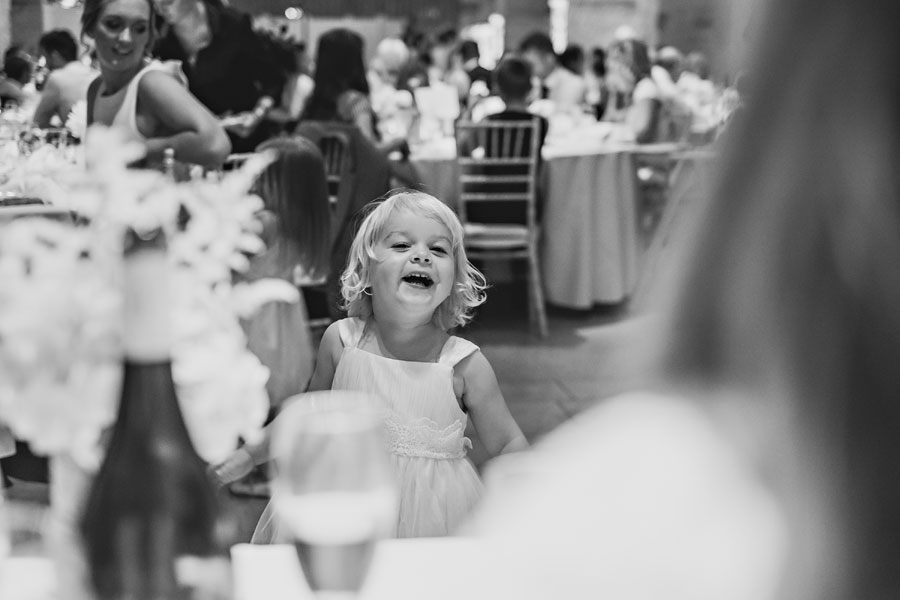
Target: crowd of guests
{"x": 259, "y": 85}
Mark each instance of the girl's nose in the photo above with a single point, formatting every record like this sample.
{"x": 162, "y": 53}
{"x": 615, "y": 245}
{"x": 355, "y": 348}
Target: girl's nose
{"x": 125, "y": 35}
{"x": 421, "y": 257}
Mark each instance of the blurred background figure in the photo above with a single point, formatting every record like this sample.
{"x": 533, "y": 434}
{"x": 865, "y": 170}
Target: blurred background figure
{"x": 700, "y": 95}
{"x": 555, "y": 83}
{"x": 759, "y": 462}
{"x": 229, "y": 67}
{"x": 470, "y": 56}
{"x": 634, "y": 96}
{"x": 67, "y": 80}
{"x": 392, "y": 106}
{"x": 17, "y": 72}
{"x": 341, "y": 89}
{"x": 666, "y": 70}
{"x": 595, "y": 80}
{"x": 297, "y": 88}
{"x": 572, "y": 58}
{"x": 445, "y": 65}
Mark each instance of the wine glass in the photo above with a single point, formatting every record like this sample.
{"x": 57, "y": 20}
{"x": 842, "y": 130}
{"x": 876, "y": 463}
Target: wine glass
{"x": 334, "y": 487}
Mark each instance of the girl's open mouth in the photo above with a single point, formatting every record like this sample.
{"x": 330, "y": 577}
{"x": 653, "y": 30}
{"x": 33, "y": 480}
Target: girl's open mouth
{"x": 418, "y": 280}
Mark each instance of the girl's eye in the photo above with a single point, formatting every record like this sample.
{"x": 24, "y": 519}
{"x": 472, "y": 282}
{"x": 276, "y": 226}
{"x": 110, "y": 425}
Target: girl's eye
{"x": 140, "y": 29}
{"x": 439, "y": 250}
{"x": 400, "y": 245}
{"x": 112, "y": 24}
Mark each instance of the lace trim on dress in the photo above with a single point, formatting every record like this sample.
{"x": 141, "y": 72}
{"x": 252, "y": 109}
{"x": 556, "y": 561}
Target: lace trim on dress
{"x": 423, "y": 438}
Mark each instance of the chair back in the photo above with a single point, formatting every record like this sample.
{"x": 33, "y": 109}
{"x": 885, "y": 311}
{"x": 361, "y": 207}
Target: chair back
{"x": 335, "y": 147}
{"x": 498, "y": 163}
{"x": 340, "y": 168}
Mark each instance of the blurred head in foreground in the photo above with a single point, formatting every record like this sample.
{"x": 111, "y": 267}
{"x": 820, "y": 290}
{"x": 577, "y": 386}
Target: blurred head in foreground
{"x": 792, "y": 291}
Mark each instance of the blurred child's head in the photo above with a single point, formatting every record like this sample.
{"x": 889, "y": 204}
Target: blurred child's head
{"x": 512, "y": 78}
{"x": 295, "y": 188}
{"x": 463, "y": 293}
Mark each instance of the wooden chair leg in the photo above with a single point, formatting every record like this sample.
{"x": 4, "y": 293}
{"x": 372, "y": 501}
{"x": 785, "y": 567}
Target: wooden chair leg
{"x": 536, "y": 285}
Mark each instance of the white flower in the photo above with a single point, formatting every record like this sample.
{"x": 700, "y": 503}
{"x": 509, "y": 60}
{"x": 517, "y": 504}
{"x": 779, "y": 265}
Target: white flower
{"x": 60, "y": 301}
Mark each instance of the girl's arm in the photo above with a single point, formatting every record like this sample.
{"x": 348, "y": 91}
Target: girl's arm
{"x": 199, "y": 137}
{"x": 491, "y": 417}
{"x": 330, "y": 349}
{"x": 248, "y": 456}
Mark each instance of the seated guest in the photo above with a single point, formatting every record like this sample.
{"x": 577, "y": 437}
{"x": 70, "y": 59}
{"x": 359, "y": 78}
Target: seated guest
{"x": 393, "y": 107}
{"x": 297, "y": 88}
{"x": 470, "y": 55}
{"x": 572, "y": 58}
{"x": 512, "y": 80}
{"x": 67, "y": 82}
{"x": 146, "y": 99}
{"x": 17, "y": 71}
{"x": 445, "y": 67}
{"x": 668, "y": 67}
{"x": 564, "y": 88}
{"x": 595, "y": 78}
{"x": 635, "y": 98}
{"x": 341, "y": 93}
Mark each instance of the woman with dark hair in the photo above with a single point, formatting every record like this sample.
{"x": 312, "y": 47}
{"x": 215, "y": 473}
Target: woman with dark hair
{"x": 341, "y": 91}
{"x": 764, "y": 464}
{"x": 634, "y": 97}
{"x": 229, "y": 67}
{"x": 145, "y": 99}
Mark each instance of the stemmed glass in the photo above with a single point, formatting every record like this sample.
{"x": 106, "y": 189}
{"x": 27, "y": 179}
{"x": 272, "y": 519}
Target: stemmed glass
{"x": 334, "y": 487}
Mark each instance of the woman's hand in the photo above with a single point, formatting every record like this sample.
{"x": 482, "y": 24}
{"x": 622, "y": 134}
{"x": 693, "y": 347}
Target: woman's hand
{"x": 236, "y": 466}
{"x": 245, "y": 123}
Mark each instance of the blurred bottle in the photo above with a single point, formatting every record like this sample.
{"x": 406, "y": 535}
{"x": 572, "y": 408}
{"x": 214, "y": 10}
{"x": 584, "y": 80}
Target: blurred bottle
{"x": 168, "y": 163}
{"x": 152, "y": 500}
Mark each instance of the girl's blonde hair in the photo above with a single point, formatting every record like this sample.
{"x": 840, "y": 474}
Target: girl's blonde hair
{"x": 469, "y": 284}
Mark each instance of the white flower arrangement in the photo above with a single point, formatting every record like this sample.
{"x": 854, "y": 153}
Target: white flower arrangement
{"x": 60, "y": 304}
{"x": 76, "y": 121}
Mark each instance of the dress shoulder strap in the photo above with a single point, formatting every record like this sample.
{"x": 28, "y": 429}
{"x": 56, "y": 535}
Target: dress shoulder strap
{"x": 456, "y": 349}
{"x": 351, "y": 330}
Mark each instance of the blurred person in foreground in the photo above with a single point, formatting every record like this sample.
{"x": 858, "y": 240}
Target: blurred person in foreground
{"x": 67, "y": 82}
{"x": 557, "y": 84}
{"x": 760, "y": 461}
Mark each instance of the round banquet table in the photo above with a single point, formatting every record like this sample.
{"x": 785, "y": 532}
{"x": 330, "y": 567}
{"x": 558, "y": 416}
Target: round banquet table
{"x": 591, "y": 251}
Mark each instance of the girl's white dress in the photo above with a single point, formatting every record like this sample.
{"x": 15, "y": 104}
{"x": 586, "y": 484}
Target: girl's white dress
{"x": 425, "y": 424}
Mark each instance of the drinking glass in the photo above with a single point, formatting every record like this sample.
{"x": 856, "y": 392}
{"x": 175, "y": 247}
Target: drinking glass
{"x": 334, "y": 487}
